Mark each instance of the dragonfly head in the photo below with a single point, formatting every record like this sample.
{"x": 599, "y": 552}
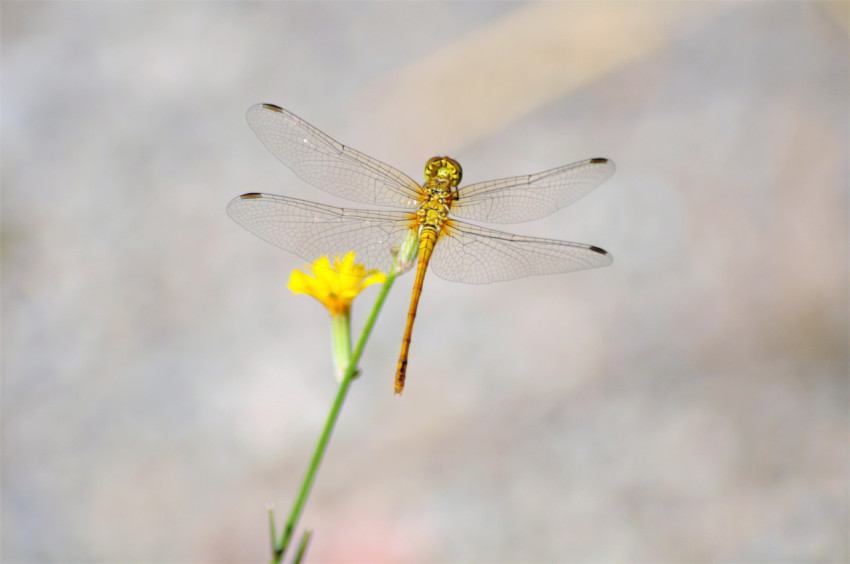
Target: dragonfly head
{"x": 443, "y": 168}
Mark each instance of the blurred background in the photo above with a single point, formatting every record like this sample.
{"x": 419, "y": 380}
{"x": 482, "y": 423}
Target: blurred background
{"x": 162, "y": 387}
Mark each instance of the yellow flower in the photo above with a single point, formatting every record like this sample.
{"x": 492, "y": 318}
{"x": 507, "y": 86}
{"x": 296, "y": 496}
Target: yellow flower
{"x": 335, "y": 285}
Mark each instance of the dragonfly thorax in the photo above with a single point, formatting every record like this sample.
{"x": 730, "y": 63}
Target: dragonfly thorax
{"x": 434, "y": 211}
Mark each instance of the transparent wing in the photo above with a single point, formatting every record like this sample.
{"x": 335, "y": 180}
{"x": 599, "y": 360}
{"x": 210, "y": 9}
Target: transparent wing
{"x": 311, "y": 230}
{"x": 472, "y": 254}
{"x": 330, "y": 166}
{"x": 525, "y": 198}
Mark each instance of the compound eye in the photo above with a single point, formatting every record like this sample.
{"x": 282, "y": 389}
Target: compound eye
{"x": 445, "y": 168}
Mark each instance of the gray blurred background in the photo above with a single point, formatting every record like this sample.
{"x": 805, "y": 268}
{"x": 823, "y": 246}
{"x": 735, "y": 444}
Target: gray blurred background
{"x": 161, "y": 386}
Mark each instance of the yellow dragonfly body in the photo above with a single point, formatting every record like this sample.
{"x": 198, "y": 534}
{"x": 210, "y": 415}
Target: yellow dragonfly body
{"x": 455, "y": 250}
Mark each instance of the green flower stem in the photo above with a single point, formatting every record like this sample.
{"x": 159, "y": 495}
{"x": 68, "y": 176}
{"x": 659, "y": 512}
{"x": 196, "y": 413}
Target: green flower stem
{"x": 302, "y": 547}
{"x": 341, "y": 337}
{"x": 273, "y": 529}
{"x": 321, "y": 446}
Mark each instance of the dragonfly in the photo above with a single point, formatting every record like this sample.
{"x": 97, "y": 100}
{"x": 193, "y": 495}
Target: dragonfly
{"x": 454, "y": 250}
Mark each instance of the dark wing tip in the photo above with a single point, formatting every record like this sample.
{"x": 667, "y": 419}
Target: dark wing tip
{"x": 592, "y": 248}
{"x": 607, "y": 163}
{"x": 250, "y": 196}
{"x": 273, "y": 108}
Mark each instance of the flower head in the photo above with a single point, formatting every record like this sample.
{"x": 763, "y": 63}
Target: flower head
{"x": 335, "y": 285}
{"x": 404, "y": 255}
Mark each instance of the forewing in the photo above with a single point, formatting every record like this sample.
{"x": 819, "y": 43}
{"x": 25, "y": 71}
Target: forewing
{"x": 330, "y": 166}
{"x": 476, "y": 255}
{"x": 525, "y": 198}
{"x": 311, "y": 230}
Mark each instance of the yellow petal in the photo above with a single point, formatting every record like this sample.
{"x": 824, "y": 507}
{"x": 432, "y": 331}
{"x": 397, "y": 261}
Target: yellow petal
{"x": 373, "y": 277}
{"x": 300, "y": 283}
{"x": 335, "y": 285}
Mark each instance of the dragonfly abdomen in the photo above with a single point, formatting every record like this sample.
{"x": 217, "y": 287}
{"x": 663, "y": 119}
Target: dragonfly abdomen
{"x": 427, "y": 239}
